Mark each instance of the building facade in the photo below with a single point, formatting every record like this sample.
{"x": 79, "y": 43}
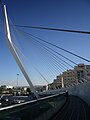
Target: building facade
{"x": 69, "y": 77}
{"x": 80, "y": 73}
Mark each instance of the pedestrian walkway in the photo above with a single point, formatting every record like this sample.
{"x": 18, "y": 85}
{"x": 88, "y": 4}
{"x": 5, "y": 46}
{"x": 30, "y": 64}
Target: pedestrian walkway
{"x": 74, "y": 109}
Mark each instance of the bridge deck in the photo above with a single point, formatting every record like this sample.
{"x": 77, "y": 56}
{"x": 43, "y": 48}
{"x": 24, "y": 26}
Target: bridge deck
{"x": 41, "y": 109}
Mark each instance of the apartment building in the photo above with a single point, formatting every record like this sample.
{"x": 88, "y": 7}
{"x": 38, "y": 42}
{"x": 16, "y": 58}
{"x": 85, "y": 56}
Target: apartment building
{"x": 69, "y": 77}
{"x": 81, "y": 72}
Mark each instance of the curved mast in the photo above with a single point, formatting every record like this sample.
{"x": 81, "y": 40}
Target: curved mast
{"x": 14, "y": 53}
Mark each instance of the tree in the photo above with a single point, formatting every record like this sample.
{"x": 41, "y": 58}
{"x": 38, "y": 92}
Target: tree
{"x": 28, "y": 90}
{"x": 1, "y": 90}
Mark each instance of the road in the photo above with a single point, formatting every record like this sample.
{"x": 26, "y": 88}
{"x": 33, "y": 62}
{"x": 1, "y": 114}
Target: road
{"x": 74, "y": 109}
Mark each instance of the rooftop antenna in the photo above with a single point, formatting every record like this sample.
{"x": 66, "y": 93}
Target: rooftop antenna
{"x": 13, "y": 51}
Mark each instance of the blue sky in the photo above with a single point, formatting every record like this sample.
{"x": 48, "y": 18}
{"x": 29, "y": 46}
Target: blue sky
{"x": 67, "y": 14}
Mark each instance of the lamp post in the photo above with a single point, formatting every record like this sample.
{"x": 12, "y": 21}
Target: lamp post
{"x": 17, "y": 79}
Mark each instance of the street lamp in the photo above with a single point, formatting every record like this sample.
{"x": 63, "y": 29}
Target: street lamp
{"x": 17, "y": 79}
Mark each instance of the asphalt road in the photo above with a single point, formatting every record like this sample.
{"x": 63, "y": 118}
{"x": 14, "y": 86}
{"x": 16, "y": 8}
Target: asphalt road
{"x": 74, "y": 109}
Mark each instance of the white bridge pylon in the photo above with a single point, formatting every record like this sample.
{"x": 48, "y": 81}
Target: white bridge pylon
{"x": 15, "y": 54}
